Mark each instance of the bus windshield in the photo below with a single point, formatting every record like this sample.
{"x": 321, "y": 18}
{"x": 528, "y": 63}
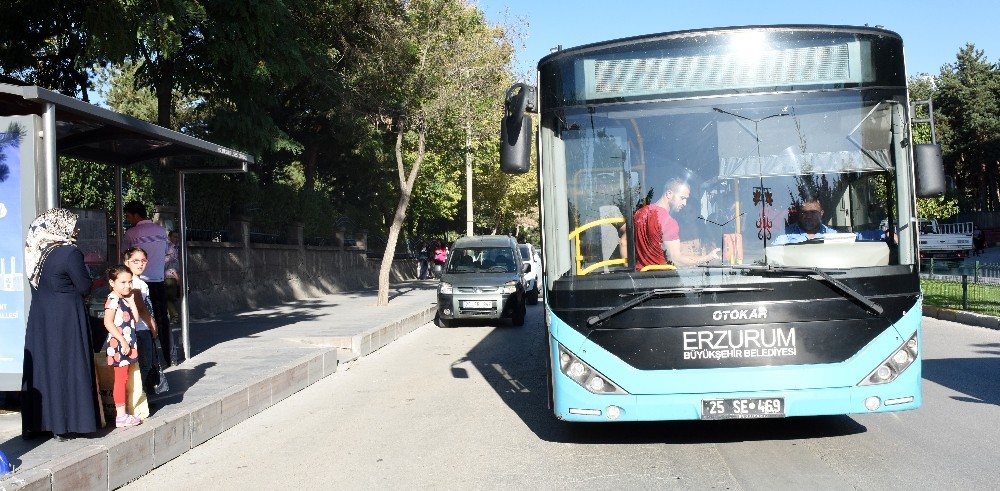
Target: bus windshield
{"x": 759, "y": 169}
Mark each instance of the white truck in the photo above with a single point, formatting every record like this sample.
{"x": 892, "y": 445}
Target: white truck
{"x": 945, "y": 240}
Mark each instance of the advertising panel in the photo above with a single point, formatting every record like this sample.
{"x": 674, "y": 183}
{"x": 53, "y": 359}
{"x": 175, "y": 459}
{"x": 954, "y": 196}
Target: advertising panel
{"x": 17, "y": 209}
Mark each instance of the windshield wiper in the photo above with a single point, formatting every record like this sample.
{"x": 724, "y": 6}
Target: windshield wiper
{"x": 664, "y": 292}
{"x": 872, "y": 307}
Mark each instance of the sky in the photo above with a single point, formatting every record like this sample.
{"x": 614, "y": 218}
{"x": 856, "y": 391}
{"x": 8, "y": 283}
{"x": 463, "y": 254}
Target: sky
{"x": 932, "y": 32}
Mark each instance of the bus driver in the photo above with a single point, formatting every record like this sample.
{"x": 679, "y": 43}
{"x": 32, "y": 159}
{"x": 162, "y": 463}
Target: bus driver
{"x": 808, "y": 224}
{"x": 657, "y": 235}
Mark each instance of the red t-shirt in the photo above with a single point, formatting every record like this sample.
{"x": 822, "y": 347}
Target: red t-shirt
{"x": 653, "y": 227}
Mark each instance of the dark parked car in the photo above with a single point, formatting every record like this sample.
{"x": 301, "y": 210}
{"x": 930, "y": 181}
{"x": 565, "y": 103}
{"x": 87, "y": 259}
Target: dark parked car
{"x": 482, "y": 280}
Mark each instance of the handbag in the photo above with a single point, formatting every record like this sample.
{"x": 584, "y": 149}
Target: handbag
{"x": 160, "y": 385}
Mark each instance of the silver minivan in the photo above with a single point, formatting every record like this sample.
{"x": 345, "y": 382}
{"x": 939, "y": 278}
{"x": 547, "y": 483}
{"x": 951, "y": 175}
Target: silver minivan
{"x": 482, "y": 280}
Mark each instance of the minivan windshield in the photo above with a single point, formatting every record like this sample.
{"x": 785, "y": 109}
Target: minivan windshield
{"x": 481, "y": 259}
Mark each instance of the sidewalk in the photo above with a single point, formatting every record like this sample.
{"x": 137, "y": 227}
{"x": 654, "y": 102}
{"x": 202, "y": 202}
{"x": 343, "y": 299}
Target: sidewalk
{"x": 241, "y": 364}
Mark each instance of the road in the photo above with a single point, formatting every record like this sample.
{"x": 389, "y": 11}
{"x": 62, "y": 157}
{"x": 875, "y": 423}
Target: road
{"x": 464, "y": 408}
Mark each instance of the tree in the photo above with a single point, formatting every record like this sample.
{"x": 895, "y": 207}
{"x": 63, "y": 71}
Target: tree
{"x": 923, "y": 88}
{"x": 968, "y": 95}
{"x": 453, "y": 57}
{"x": 512, "y": 200}
{"x": 55, "y": 44}
{"x": 938, "y": 208}
{"x": 348, "y": 99}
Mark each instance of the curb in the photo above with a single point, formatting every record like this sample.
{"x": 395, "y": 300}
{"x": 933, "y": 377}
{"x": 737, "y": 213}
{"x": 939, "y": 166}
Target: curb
{"x": 962, "y": 317}
{"x": 122, "y": 458}
{"x": 371, "y": 340}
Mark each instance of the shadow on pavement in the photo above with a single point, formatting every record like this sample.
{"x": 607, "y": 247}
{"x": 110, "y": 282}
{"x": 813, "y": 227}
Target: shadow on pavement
{"x": 207, "y": 333}
{"x": 959, "y": 374}
{"x": 180, "y": 379}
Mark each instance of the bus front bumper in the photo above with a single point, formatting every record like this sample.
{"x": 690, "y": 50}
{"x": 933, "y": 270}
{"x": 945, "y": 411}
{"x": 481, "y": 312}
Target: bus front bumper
{"x": 574, "y": 403}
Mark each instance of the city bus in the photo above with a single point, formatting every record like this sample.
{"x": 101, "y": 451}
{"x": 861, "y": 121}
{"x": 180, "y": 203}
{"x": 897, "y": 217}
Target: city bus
{"x": 755, "y": 122}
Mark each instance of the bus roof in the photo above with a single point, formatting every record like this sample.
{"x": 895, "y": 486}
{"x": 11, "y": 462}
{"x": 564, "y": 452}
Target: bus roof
{"x": 698, "y": 32}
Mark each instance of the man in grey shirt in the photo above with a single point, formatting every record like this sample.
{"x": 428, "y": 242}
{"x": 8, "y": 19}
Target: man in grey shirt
{"x": 152, "y": 238}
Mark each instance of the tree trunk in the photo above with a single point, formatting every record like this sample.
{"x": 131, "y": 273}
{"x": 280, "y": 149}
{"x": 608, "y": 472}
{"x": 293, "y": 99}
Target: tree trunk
{"x": 164, "y": 86}
{"x": 309, "y": 166}
{"x": 405, "y": 189}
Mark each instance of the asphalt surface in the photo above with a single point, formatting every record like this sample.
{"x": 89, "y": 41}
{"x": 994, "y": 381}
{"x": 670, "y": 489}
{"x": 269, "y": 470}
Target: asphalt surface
{"x": 241, "y": 364}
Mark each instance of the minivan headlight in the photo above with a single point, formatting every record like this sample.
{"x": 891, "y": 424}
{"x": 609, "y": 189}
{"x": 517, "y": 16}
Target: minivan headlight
{"x": 509, "y": 287}
{"x": 445, "y": 288}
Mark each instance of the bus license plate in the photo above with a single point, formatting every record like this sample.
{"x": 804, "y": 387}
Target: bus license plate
{"x": 477, "y": 304}
{"x": 749, "y": 408}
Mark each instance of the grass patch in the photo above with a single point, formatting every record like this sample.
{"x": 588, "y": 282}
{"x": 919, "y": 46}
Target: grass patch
{"x": 981, "y": 298}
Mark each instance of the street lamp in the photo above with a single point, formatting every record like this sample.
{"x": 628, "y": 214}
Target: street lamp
{"x": 468, "y": 179}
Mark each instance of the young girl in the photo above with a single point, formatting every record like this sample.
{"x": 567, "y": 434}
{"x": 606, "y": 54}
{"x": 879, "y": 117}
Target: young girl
{"x": 135, "y": 259}
{"x": 119, "y": 320}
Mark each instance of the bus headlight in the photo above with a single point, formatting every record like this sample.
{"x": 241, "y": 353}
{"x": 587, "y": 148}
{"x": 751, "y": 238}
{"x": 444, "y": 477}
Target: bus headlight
{"x": 445, "y": 288}
{"x": 900, "y": 360}
{"x": 585, "y": 375}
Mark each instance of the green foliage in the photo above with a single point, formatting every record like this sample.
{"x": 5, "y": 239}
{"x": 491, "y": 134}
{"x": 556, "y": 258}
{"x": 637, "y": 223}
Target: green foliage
{"x": 921, "y": 89}
{"x": 85, "y": 184}
{"x": 974, "y": 296}
{"x": 315, "y": 89}
{"x": 507, "y": 202}
{"x": 209, "y": 201}
{"x": 51, "y": 43}
{"x": 938, "y": 208}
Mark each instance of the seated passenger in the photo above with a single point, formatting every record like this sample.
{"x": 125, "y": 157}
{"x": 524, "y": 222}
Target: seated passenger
{"x": 808, "y": 224}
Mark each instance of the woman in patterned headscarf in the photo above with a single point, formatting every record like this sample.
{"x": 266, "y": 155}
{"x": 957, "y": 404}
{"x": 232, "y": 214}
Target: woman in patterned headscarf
{"x": 59, "y": 388}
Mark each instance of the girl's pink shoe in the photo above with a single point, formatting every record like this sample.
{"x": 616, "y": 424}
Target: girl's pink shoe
{"x": 126, "y": 421}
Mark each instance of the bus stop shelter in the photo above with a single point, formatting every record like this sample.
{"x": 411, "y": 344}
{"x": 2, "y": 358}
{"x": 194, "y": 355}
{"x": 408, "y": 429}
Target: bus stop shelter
{"x": 36, "y": 127}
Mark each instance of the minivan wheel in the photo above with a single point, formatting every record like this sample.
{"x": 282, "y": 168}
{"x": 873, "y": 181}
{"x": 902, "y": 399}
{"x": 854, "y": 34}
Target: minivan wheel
{"x": 517, "y": 319}
{"x": 533, "y": 297}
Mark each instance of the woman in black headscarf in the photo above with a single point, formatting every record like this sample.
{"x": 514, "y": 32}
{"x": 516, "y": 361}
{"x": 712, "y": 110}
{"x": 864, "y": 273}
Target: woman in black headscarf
{"x": 59, "y": 388}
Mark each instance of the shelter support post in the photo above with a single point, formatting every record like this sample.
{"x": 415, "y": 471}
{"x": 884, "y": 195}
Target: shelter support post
{"x": 183, "y": 255}
{"x": 182, "y": 261}
{"x": 51, "y": 157}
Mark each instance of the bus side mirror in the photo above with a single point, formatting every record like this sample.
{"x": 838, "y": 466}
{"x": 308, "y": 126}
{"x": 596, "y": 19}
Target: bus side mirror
{"x": 515, "y": 129}
{"x": 931, "y": 181}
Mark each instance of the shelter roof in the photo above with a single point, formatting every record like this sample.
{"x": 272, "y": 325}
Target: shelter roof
{"x": 93, "y": 133}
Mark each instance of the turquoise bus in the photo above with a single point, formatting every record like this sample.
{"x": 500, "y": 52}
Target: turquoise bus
{"x": 744, "y": 316}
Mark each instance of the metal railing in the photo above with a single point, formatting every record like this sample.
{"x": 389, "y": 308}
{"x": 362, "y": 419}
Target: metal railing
{"x": 973, "y": 287}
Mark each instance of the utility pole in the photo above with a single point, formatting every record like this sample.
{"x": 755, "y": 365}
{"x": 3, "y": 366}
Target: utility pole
{"x": 468, "y": 179}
